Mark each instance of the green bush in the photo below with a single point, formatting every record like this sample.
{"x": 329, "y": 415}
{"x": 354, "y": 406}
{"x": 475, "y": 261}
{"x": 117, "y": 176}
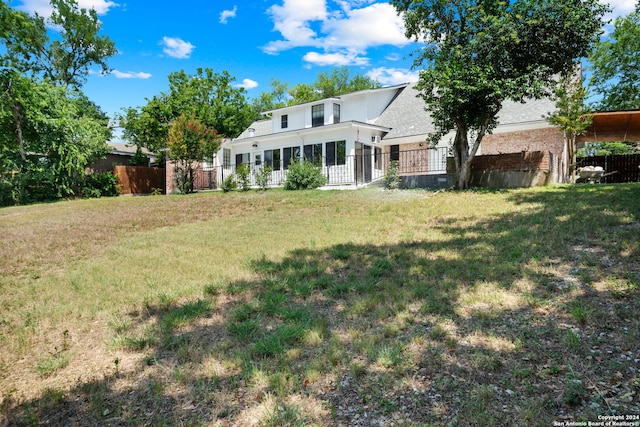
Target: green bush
{"x": 391, "y": 178}
{"x": 99, "y": 184}
{"x": 243, "y": 177}
{"x": 303, "y": 176}
{"x": 229, "y": 183}
{"x": 263, "y": 177}
{"x": 139, "y": 159}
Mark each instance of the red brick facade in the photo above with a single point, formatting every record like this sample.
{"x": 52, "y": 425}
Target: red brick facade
{"x": 545, "y": 139}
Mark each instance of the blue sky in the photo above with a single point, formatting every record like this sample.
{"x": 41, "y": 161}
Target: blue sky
{"x": 254, "y": 40}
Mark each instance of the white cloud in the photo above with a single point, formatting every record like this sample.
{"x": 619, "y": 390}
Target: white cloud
{"x": 393, "y": 76}
{"x": 226, "y": 14}
{"x": 176, "y": 47}
{"x": 293, "y": 21}
{"x": 374, "y": 25}
{"x": 335, "y": 59}
{"x": 247, "y": 84}
{"x": 130, "y": 75}
{"x": 344, "y": 33}
{"x": 620, "y": 7}
{"x": 43, "y": 8}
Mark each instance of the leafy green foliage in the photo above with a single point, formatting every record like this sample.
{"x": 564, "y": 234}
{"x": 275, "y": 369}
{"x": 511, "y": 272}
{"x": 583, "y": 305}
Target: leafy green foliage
{"x": 479, "y": 54}
{"x": 229, "y": 183}
{"x": 571, "y": 116}
{"x": 391, "y": 178}
{"x": 263, "y": 177}
{"x": 608, "y": 149}
{"x": 304, "y": 176}
{"x": 190, "y": 141}
{"x": 243, "y": 176}
{"x": 139, "y": 158}
{"x": 100, "y": 184}
{"x": 615, "y": 66}
{"x": 207, "y": 96}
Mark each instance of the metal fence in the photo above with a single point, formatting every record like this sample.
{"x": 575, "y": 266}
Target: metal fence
{"x": 351, "y": 170}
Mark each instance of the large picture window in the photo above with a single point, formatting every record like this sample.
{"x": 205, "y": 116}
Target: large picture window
{"x": 272, "y": 158}
{"x": 313, "y": 154}
{"x": 243, "y": 158}
{"x": 317, "y": 115}
{"x": 289, "y": 155}
{"x": 336, "y": 153}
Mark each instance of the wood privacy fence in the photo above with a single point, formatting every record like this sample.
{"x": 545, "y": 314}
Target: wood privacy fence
{"x": 625, "y": 166}
{"x": 141, "y": 179}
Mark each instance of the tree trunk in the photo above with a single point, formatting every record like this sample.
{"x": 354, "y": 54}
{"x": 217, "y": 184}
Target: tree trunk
{"x": 461, "y": 155}
{"x": 17, "y": 119}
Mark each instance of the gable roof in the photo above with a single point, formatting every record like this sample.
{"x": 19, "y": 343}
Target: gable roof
{"x": 406, "y": 114}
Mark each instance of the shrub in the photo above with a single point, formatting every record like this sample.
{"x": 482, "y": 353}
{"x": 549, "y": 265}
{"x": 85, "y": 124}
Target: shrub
{"x": 303, "y": 176}
{"x": 139, "y": 159}
{"x": 263, "y": 177}
{"x": 243, "y": 177}
{"x": 100, "y": 184}
{"x": 391, "y": 178}
{"x": 229, "y": 183}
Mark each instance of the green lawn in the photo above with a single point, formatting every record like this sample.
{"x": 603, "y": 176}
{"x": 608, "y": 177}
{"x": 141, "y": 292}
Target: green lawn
{"x": 364, "y": 307}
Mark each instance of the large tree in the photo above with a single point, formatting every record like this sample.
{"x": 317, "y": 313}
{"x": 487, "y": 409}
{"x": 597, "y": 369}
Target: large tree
{"x": 479, "y": 53}
{"x": 616, "y": 66}
{"x": 207, "y": 96}
{"x": 42, "y": 110}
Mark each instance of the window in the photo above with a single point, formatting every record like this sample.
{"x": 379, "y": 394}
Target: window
{"x": 272, "y": 159}
{"x": 242, "y": 159}
{"x": 284, "y": 121}
{"x": 336, "y": 153}
{"x": 395, "y": 152}
{"x": 258, "y": 160}
{"x": 377, "y": 157}
{"x": 226, "y": 157}
{"x": 336, "y": 113}
{"x": 317, "y": 115}
{"x": 290, "y": 154}
{"x": 313, "y": 154}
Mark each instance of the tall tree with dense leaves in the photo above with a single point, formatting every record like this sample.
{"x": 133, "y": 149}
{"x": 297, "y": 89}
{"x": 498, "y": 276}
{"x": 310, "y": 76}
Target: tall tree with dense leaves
{"x": 479, "y": 53}
{"x": 42, "y": 110}
{"x": 616, "y": 66}
{"x": 207, "y": 96}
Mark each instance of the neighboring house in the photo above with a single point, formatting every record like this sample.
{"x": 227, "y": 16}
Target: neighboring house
{"x": 354, "y": 137}
{"x": 120, "y": 155}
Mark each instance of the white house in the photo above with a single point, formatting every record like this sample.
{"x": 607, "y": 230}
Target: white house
{"x": 353, "y": 137}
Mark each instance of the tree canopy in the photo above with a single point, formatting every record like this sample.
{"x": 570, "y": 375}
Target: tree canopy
{"x": 50, "y": 131}
{"x": 615, "y": 60}
{"x": 338, "y": 82}
{"x": 206, "y": 96}
{"x": 478, "y": 54}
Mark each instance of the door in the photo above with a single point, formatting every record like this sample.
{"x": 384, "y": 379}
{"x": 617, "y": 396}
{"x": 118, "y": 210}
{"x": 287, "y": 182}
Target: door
{"x": 362, "y": 163}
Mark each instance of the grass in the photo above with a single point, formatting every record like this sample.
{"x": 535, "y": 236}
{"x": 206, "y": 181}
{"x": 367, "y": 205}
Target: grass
{"x": 314, "y": 308}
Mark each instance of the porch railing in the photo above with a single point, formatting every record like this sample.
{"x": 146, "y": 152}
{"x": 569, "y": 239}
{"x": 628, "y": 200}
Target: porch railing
{"x": 352, "y": 170}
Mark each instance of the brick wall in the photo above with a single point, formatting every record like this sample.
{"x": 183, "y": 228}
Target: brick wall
{"x": 545, "y": 139}
{"x": 525, "y": 161}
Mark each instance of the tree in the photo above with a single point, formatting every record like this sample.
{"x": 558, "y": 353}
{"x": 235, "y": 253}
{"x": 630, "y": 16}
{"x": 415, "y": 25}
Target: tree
{"x": 478, "y": 54}
{"x": 190, "y": 141}
{"x": 207, "y": 96}
{"x": 327, "y": 85}
{"x": 616, "y": 75}
{"x": 571, "y": 117}
{"x": 57, "y": 123}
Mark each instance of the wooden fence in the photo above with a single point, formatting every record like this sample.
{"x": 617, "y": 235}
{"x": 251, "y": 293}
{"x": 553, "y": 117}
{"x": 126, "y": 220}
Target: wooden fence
{"x": 625, "y": 166}
{"x": 140, "y": 179}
